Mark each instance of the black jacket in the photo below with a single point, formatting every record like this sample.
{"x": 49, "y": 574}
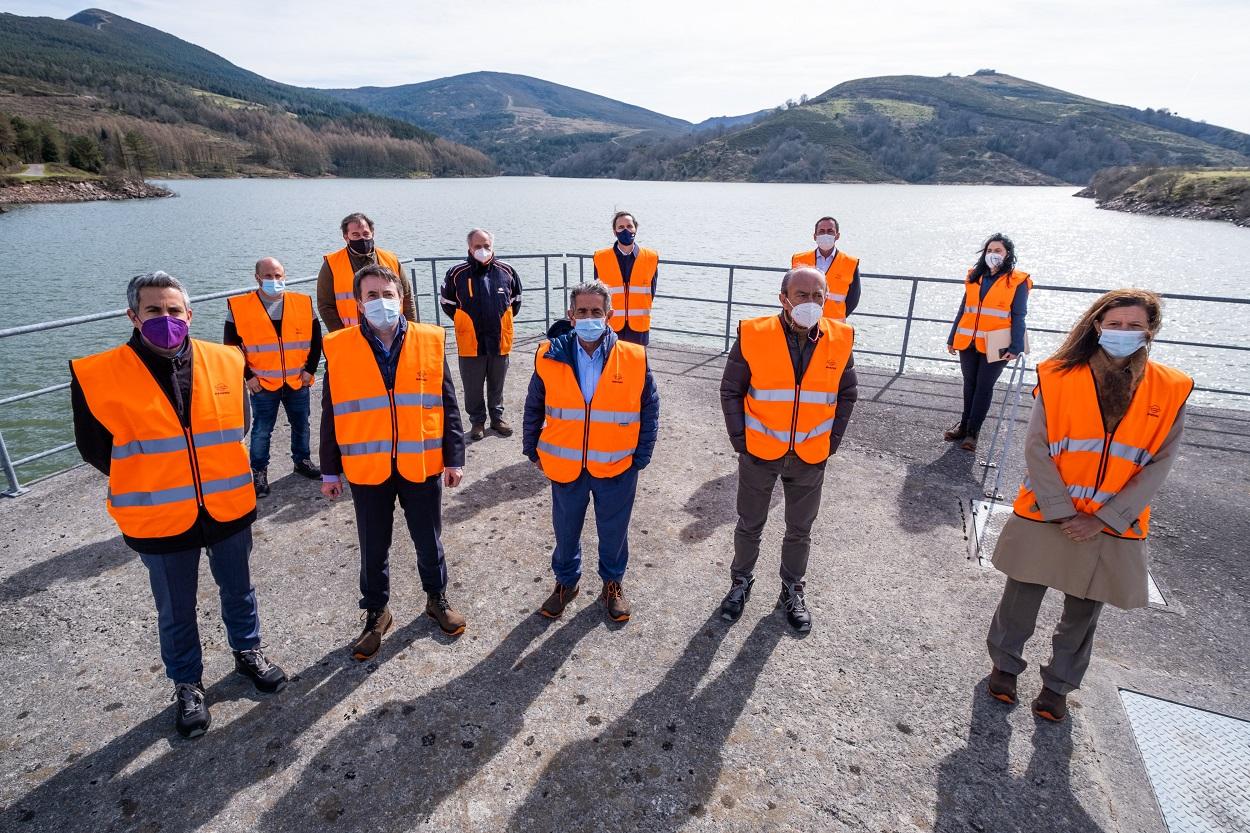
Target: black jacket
{"x": 484, "y": 293}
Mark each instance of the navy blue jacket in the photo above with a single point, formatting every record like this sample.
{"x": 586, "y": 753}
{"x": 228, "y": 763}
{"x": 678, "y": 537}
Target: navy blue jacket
{"x": 563, "y": 345}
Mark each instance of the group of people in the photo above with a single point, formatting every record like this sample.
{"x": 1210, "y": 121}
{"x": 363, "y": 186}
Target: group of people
{"x": 165, "y": 416}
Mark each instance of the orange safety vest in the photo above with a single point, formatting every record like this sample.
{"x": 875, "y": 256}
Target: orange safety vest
{"x": 981, "y": 316}
{"x": 341, "y": 266}
{"x": 466, "y": 335}
{"x": 274, "y": 358}
{"x": 783, "y": 414}
{"x": 376, "y": 427}
{"x": 1094, "y": 464}
{"x": 162, "y": 473}
{"x": 838, "y": 279}
{"x": 631, "y": 301}
{"x": 602, "y": 436}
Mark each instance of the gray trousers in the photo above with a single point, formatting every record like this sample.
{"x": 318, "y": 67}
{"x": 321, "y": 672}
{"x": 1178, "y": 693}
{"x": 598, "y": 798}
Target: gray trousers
{"x": 801, "y": 485}
{"x": 1015, "y": 620}
{"x": 476, "y": 371}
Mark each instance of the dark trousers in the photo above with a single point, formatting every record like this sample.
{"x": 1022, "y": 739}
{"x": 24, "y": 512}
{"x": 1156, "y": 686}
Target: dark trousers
{"x": 980, "y": 376}
{"x": 1073, "y": 641}
{"x": 175, "y": 577}
{"x": 375, "y": 517}
{"x": 476, "y": 371}
{"x": 633, "y": 336}
{"x": 614, "y": 503}
{"x": 265, "y": 415}
{"x": 801, "y": 485}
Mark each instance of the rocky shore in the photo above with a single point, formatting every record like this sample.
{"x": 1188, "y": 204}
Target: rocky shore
{"x": 1195, "y": 194}
{"x": 52, "y": 190}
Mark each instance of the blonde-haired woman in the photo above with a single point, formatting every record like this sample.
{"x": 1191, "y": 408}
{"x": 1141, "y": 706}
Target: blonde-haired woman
{"x": 1105, "y": 429}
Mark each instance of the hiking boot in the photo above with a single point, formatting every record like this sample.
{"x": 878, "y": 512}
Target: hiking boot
{"x": 377, "y": 623}
{"x": 191, "y": 715}
{"x": 733, "y": 603}
{"x": 478, "y": 431}
{"x": 794, "y": 604}
{"x": 1002, "y": 686}
{"x": 970, "y": 441}
{"x": 1051, "y": 705}
{"x": 501, "y": 428}
{"x": 957, "y": 433}
{"x": 266, "y": 676}
{"x": 308, "y": 469}
{"x": 559, "y": 599}
{"x": 449, "y": 620}
{"x": 614, "y": 601}
{"x": 260, "y": 480}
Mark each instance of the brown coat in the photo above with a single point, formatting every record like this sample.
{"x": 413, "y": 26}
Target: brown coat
{"x": 328, "y": 306}
{"x": 1107, "y": 569}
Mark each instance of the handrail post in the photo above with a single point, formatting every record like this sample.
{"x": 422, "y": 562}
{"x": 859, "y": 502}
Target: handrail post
{"x": 15, "y": 486}
{"x": 438, "y": 314}
{"x": 911, "y": 306}
{"x": 412, "y": 278}
{"x": 546, "y": 293}
{"x": 729, "y": 308}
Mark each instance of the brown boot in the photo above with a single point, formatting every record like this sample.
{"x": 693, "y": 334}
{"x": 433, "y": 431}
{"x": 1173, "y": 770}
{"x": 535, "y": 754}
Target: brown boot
{"x": 614, "y": 601}
{"x": 559, "y": 599}
{"x": 957, "y": 433}
{"x": 478, "y": 431}
{"x": 1051, "y": 705}
{"x": 501, "y": 428}
{"x": 1002, "y": 686}
{"x": 970, "y": 442}
{"x": 377, "y": 623}
{"x": 438, "y": 609}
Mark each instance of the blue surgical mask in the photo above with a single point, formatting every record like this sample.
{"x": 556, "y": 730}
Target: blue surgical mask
{"x": 382, "y": 313}
{"x": 1122, "y": 343}
{"x": 590, "y": 329}
{"x": 625, "y": 236}
{"x": 272, "y": 287}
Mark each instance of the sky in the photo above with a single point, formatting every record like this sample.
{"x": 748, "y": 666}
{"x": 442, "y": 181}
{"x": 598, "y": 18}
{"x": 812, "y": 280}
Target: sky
{"x": 694, "y": 58}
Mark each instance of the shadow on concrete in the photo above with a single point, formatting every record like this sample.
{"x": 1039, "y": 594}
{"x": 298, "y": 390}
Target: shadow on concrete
{"x": 77, "y": 564}
{"x": 187, "y": 783}
{"x": 656, "y": 767}
{"x": 293, "y": 498}
{"x": 931, "y": 492}
{"x": 977, "y": 791}
{"x": 393, "y": 767}
{"x": 519, "y": 481}
{"x": 713, "y": 505}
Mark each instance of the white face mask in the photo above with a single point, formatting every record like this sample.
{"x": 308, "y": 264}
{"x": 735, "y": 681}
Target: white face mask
{"x": 826, "y": 241}
{"x": 383, "y": 313}
{"x": 481, "y": 254}
{"x": 807, "y": 315}
{"x": 1121, "y": 343}
{"x": 993, "y": 260}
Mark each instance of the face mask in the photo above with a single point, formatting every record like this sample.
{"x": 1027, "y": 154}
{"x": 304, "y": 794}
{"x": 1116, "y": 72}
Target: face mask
{"x": 590, "y": 329}
{"x": 274, "y": 287}
{"x": 165, "y": 331}
{"x": 625, "y": 237}
{"x": 382, "y": 313}
{"x": 993, "y": 260}
{"x": 807, "y": 315}
{"x": 1121, "y": 343}
{"x": 361, "y": 247}
{"x": 481, "y": 255}
{"x": 826, "y": 241}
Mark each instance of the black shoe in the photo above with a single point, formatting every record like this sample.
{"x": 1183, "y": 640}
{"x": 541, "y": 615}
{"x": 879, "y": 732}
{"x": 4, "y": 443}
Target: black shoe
{"x": 190, "y": 711}
{"x": 266, "y": 676}
{"x": 791, "y": 600}
{"x": 733, "y": 603}
{"x": 260, "y": 479}
{"x": 308, "y": 469}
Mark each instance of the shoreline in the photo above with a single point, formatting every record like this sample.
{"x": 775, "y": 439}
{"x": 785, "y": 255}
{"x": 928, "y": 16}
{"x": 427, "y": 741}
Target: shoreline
{"x": 37, "y": 192}
{"x": 1186, "y": 193}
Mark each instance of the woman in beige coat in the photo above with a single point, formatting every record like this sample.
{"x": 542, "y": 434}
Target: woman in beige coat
{"x": 1083, "y": 512}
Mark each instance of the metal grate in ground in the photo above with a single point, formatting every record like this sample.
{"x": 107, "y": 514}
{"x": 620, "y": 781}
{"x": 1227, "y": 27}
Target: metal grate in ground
{"x": 1198, "y": 763}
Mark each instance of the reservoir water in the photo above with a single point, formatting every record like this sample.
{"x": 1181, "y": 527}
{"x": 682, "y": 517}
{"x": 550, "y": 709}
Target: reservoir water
{"x": 65, "y": 260}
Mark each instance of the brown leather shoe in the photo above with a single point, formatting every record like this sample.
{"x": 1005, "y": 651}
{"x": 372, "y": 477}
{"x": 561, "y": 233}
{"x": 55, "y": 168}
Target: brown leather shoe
{"x": 559, "y": 599}
{"x": 501, "y": 428}
{"x": 1002, "y": 686}
{"x": 478, "y": 431}
{"x": 957, "y": 433}
{"x": 970, "y": 442}
{"x": 377, "y": 623}
{"x": 614, "y": 601}
{"x": 449, "y": 620}
{"x": 1051, "y": 705}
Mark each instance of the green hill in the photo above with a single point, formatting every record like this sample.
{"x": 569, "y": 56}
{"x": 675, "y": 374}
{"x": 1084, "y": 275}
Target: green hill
{"x": 1195, "y": 193}
{"x": 189, "y": 111}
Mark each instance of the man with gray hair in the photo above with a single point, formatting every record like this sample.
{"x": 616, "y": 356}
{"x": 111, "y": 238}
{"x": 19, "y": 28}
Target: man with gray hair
{"x": 592, "y": 416}
{"x": 482, "y": 296}
{"x": 164, "y": 417}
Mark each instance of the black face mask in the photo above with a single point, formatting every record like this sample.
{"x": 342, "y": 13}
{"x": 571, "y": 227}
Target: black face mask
{"x": 361, "y": 247}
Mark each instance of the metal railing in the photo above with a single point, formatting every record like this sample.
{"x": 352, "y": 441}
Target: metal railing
{"x": 733, "y": 304}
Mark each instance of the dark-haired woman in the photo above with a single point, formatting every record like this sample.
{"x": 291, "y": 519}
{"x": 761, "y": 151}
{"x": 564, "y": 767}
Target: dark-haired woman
{"x": 996, "y": 297}
{"x": 1105, "y": 429}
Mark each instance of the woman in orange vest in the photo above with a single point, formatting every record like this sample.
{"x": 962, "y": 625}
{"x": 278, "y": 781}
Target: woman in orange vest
{"x": 1106, "y": 427}
{"x": 996, "y": 297}
{"x": 631, "y": 274}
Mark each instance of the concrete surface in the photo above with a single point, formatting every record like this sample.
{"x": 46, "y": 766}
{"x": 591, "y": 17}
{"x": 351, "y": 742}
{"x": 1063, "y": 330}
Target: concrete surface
{"x": 675, "y": 721}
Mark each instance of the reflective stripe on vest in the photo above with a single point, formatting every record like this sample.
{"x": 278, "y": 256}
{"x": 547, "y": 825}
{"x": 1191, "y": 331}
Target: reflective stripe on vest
{"x": 838, "y": 279}
{"x": 631, "y": 302}
{"x": 161, "y": 472}
{"x": 376, "y": 428}
{"x": 275, "y": 359}
{"x": 341, "y": 270}
{"x": 984, "y": 315}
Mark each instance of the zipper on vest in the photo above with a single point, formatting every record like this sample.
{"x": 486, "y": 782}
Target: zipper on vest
{"x": 390, "y": 394}
{"x": 195, "y": 467}
{"x": 586, "y": 434}
{"x": 794, "y": 417}
{"x": 1106, "y": 437}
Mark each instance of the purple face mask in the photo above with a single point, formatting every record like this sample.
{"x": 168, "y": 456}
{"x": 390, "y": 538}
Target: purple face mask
{"x": 165, "y": 331}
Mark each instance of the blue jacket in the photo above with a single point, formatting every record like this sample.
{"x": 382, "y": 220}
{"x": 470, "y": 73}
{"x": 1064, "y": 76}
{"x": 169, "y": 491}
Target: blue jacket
{"x": 563, "y": 345}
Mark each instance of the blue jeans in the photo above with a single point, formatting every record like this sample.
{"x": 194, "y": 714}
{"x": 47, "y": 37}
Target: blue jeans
{"x": 174, "y": 578}
{"x": 265, "y": 414}
{"x": 614, "y": 503}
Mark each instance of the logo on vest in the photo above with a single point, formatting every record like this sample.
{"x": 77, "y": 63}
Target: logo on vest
{"x": 221, "y": 389}
{"x": 831, "y": 365}
{"x": 618, "y": 378}
{"x": 1154, "y": 411}
{"x": 421, "y": 376}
